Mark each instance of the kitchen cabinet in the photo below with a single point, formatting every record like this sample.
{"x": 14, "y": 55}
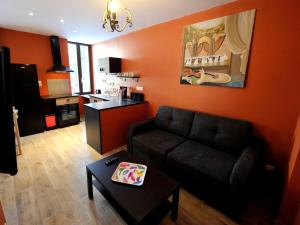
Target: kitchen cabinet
{"x": 93, "y": 100}
{"x": 109, "y": 65}
{"x": 66, "y": 101}
{"x": 64, "y": 107}
{"x": 107, "y": 122}
{"x": 49, "y": 110}
{"x": 48, "y": 106}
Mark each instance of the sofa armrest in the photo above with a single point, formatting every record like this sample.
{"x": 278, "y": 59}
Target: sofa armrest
{"x": 137, "y": 128}
{"x": 245, "y": 169}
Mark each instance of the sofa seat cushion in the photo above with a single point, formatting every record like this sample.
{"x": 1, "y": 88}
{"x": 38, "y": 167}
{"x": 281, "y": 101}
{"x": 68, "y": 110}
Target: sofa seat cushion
{"x": 153, "y": 145}
{"x": 196, "y": 159}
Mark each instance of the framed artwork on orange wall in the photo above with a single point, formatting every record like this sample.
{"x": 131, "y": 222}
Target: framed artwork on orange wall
{"x": 216, "y": 52}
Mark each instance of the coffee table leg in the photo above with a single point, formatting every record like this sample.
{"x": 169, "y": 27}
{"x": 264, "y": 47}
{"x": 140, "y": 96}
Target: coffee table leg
{"x": 175, "y": 202}
{"x": 89, "y": 184}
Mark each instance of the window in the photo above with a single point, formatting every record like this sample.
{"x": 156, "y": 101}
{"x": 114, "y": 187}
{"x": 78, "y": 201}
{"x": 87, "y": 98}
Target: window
{"x": 79, "y": 58}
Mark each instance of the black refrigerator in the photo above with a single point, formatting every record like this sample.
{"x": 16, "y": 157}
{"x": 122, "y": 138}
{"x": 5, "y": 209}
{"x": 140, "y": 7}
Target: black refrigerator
{"x": 8, "y": 159}
{"x": 26, "y": 98}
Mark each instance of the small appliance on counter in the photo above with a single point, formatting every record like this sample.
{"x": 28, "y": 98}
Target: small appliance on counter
{"x": 137, "y": 96}
{"x": 123, "y": 90}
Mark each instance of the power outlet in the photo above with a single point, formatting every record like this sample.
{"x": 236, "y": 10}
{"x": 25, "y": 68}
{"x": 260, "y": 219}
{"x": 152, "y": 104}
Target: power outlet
{"x": 40, "y": 83}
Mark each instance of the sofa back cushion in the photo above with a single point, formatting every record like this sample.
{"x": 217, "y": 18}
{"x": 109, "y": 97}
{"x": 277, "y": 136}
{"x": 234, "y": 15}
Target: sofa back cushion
{"x": 177, "y": 121}
{"x": 230, "y": 135}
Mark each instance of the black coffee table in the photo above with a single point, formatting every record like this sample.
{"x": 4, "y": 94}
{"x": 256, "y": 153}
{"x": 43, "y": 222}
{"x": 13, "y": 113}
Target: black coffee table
{"x": 146, "y": 204}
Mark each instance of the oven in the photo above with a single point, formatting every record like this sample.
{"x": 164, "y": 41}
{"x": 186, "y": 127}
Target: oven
{"x": 67, "y": 111}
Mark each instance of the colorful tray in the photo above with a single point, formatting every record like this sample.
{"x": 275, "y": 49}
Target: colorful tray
{"x": 130, "y": 173}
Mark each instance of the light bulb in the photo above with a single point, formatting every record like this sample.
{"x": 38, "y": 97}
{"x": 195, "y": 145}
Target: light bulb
{"x": 113, "y": 6}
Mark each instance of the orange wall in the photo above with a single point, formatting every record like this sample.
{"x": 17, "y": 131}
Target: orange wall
{"x": 114, "y": 124}
{"x": 29, "y": 48}
{"x": 294, "y": 152}
{"x": 291, "y": 200}
{"x": 297, "y": 220}
{"x": 271, "y": 97}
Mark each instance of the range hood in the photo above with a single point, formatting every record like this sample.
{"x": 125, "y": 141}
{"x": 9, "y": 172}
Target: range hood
{"x": 57, "y": 65}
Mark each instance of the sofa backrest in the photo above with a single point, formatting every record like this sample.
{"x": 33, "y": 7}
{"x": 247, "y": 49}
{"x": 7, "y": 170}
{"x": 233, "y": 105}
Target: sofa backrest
{"x": 230, "y": 135}
{"x": 178, "y": 121}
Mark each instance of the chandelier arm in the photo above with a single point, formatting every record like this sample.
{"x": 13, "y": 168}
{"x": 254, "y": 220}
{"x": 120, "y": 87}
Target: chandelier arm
{"x": 107, "y": 20}
{"x": 108, "y": 26}
{"x": 123, "y": 27}
{"x": 129, "y": 14}
{"x": 112, "y": 27}
{"x": 128, "y": 21}
{"x": 110, "y": 21}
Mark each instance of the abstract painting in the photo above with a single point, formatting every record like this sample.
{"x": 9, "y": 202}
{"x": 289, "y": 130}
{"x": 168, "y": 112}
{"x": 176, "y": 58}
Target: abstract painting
{"x": 216, "y": 52}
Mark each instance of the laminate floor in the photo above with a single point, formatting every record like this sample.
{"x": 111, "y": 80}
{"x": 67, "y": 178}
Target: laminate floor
{"x": 50, "y": 187}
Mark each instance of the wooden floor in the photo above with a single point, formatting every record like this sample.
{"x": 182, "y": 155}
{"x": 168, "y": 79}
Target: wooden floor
{"x": 50, "y": 187}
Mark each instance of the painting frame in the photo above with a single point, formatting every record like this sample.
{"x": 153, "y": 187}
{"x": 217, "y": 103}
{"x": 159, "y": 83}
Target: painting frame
{"x": 216, "y": 52}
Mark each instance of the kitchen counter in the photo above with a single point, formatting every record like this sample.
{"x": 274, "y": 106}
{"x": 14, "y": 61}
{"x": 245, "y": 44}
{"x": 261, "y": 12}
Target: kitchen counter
{"x": 107, "y": 122}
{"x": 86, "y": 96}
{"x": 47, "y": 97}
{"x": 110, "y": 102}
{"x": 105, "y": 97}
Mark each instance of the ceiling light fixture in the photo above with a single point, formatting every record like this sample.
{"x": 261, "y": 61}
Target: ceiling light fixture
{"x": 110, "y": 21}
{"x": 31, "y": 14}
{"x": 62, "y": 21}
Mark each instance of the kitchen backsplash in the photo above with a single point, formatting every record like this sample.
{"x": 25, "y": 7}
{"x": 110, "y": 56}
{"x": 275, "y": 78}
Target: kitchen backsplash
{"x": 110, "y": 84}
{"x": 58, "y": 86}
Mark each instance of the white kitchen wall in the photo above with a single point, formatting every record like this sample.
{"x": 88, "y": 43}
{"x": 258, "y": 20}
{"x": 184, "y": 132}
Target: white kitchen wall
{"x": 109, "y": 83}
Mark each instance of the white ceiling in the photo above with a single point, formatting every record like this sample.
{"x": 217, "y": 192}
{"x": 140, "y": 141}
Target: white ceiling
{"x": 85, "y": 16}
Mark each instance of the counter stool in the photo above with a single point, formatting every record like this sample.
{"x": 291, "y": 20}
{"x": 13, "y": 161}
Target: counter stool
{"x": 17, "y": 133}
{"x": 2, "y": 218}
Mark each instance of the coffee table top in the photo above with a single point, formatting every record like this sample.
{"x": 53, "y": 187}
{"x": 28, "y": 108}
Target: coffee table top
{"x": 136, "y": 201}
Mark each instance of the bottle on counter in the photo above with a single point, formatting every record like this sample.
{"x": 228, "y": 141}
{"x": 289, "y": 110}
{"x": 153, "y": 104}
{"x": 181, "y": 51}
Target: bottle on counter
{"x": 123, "y": 91}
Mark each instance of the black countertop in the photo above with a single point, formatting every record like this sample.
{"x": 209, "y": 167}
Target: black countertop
{"x": 103, "y": 97}
{"x": 86, "y": 96}
{"x": 47, "y": 97}
{"x": 111, "y": 102}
